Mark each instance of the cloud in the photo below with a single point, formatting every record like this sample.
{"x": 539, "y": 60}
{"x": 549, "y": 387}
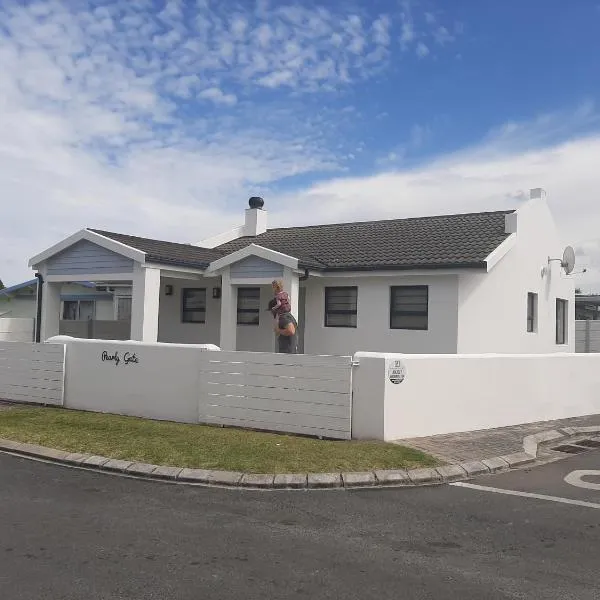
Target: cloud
{"x": 218, "y": 96}
{"x": 422, "y": 50}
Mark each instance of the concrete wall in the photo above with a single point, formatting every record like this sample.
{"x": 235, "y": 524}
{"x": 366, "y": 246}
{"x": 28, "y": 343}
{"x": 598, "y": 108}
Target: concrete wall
{"x": 447, "y": 394}
{"x": 492, "y": 314}
{"x": 373, "y": 331}
{"x": 16, "y": 330}
{"x": 587, "y": 336}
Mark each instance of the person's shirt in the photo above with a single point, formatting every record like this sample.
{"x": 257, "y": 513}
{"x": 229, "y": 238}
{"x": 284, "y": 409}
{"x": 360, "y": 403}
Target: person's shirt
{"x": 288, "y": 344}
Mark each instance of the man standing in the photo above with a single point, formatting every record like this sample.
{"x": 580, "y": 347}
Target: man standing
{"x": 287, "y": 334}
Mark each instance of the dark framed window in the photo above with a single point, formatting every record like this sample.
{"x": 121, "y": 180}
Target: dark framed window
{"x": 248, "y": 306}
{"x": 409, "y": 307}
{"x": 532, "y": 310}
{"x": 193, "y": 305}
{"x": 341, "y": 306}
{"x": 562, "y": 313}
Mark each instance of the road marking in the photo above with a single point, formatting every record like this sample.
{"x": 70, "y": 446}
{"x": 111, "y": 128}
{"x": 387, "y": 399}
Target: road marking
{"x": 485, "y": 488}
{"x": 574, "y": 478}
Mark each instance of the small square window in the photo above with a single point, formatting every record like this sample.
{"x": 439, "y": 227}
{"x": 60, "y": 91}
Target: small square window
{"x": 341, "y": 306}
{"x": 532, "y": 310}
{"x": 409, "y": 307}
{"x": 248, "y": 306}
{"x": 193, "y": 305}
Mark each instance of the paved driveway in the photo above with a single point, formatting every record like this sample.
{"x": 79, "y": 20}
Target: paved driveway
{"x": 67, "y": 534}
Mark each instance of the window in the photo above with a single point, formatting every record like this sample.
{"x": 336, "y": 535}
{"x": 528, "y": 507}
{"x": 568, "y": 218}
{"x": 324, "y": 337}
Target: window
{"x": 124, "y": 308}
{"x": 193, "y": 305}
{"x": 532, "y": 309}
{"x": 248, "y": 306}
{"x": 341, "y": 306}
{"x": 409, "y": 307}
{"x": 561, "y": 321}
{"x": 79, "y": 310}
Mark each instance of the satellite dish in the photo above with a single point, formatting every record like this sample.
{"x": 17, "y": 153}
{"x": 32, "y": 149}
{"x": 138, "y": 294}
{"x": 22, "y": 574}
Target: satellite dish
{"x": 568, "y": 260}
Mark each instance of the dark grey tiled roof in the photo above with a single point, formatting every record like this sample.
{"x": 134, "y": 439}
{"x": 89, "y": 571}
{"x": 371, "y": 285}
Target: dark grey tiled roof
{"x": 170, "y": 253}
{"x": 459, "y": 241}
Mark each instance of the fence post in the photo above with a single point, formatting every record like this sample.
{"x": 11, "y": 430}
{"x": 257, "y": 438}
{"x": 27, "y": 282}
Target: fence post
{"x": 588, "y": 335}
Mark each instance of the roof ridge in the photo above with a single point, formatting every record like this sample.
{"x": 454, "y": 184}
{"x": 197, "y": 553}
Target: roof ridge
{"x": 467, "y": 214}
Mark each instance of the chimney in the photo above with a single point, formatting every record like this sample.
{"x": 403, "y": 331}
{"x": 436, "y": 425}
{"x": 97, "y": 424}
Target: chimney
{"x": 537, "y": 194}
{"x": 256, "y": 217}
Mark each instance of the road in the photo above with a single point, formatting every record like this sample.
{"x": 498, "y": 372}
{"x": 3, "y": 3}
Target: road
{"x": 69, "y": 534}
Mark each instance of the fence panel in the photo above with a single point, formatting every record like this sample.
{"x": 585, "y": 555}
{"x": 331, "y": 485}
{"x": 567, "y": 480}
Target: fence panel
{"x": 32, "y": 372}
{"x": 310, "y": 395}
{"x": 587, "y": 336}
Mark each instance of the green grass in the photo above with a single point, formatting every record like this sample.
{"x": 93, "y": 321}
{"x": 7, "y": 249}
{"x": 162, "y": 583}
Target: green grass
{"x": 198, "y": 446}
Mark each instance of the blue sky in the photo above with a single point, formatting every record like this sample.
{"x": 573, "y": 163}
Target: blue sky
{"x": 161, "y": 118}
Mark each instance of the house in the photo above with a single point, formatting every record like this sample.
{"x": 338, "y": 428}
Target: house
{"x": 587, "y": 307}
{"x": 489, "y": 282}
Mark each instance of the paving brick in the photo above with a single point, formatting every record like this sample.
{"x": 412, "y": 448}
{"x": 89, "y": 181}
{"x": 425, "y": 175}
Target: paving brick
{"x": 164, "y": 472}
{"x": 589, "y": 429}
{"x": 363, "y": 479}
{"x": 424, "y": 475}
{"x": 474, "y": 467}
{"x": 324, "y": 480}
{"x": 451, "y": 472}
{"x": 140, "y": 469}
{"x": 495, "y": 464}
{"x": 115, "y": 464}
{"x": 96, "y": 461}
{"x": 224, "y": 477}
{"x": 392, "y": 477}
{"x": 517, "y": 459}
{"x": 290, "y": 480}
{"x": 257, "y": 480}
{"x": 194, "y": 475}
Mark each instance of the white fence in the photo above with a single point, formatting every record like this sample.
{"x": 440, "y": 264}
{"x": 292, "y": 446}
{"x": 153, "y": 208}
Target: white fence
{"x": 587, "y": 336}
{"x": 16, "y": 329}
{"x": 188, "y": 383}
{"x": 279, "y": 392}
{"x": 400, "y": 396}
{"x": 32, "y": 372}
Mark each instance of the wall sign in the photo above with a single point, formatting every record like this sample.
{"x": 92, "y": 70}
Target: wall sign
{"x": 396, "y": 371}
{"x": 127, "y": 358}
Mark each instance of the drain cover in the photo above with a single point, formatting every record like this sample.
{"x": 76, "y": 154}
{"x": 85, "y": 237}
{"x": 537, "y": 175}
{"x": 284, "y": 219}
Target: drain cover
{"x": 570, "y": 449}
{"x": 589, "y": 443}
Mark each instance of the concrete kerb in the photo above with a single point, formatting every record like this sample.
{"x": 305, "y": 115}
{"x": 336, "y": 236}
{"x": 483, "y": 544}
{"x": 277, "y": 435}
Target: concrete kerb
{"x": 294, "y": 481}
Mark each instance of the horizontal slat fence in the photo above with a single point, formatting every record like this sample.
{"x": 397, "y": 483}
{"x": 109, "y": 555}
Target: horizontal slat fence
{"x": 32, "y": 372}
{"x": 303, "y": 394}
{"x": 587, "y": 336}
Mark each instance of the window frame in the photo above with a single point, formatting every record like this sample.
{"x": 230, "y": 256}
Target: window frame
{"x": 184, "y": 310}
{"x": 562, "y": 309}
{"x": 246, "y": 311}
{"x": 396, "y": 313}
{"x": 350, "y": 312}
{"x": 532, "y": 312}
{"x": 78, "y": 312}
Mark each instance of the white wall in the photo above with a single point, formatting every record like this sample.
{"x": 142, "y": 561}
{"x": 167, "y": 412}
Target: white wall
{"x": 492, "y": 314}
{"x": 261, "y": 337}
{"x": 373, "y": 331}
{"x": 16, "y": 330}
{"x": 170, "y": 326}
{"x": 454, "y": 393}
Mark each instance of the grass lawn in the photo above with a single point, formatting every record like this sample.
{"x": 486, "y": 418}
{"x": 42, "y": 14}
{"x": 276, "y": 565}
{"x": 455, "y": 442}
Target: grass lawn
{"x": 198, "y": 446}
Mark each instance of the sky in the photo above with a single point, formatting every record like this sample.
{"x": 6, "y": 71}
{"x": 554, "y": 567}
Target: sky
{"x": 161, "y": 119}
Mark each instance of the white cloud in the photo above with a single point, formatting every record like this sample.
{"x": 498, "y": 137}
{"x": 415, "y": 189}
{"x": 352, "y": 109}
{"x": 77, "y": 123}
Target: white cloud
{"x": 218, "y": 96}
{"x": 422, "y": 50}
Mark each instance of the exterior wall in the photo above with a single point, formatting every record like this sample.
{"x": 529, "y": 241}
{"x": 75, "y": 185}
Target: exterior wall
{"x": 450, "y": 394}
{"x": 492, "y": 314}
{"x": 261, "y": 337}
{"x": 170, "y": 326}
{"x": 85, "y": 257}
{"x": 373, "y": 331}
{"x": 17, "y": 307}
{"x": 255, "y": 266}
{"x": 17, "y": 330}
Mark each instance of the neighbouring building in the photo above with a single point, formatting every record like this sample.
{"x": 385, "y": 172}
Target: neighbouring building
{"x": 489, "y": 282}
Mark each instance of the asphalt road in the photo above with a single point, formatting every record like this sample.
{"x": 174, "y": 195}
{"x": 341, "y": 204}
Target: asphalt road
{"x": 68, "y": 534}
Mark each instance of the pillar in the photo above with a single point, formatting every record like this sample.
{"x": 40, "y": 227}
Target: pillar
{"x": 50, "y": 310}
{"x": 145, "y": 304}
{"x": 291, "y": 285}
{"x": 228, "y": 313}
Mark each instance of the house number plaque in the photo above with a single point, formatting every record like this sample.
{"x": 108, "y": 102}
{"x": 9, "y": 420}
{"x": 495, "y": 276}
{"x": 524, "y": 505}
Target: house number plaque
{"x": 396, "y": 371}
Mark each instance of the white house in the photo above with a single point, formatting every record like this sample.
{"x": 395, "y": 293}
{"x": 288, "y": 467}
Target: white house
{"x": 488, "y": 282}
